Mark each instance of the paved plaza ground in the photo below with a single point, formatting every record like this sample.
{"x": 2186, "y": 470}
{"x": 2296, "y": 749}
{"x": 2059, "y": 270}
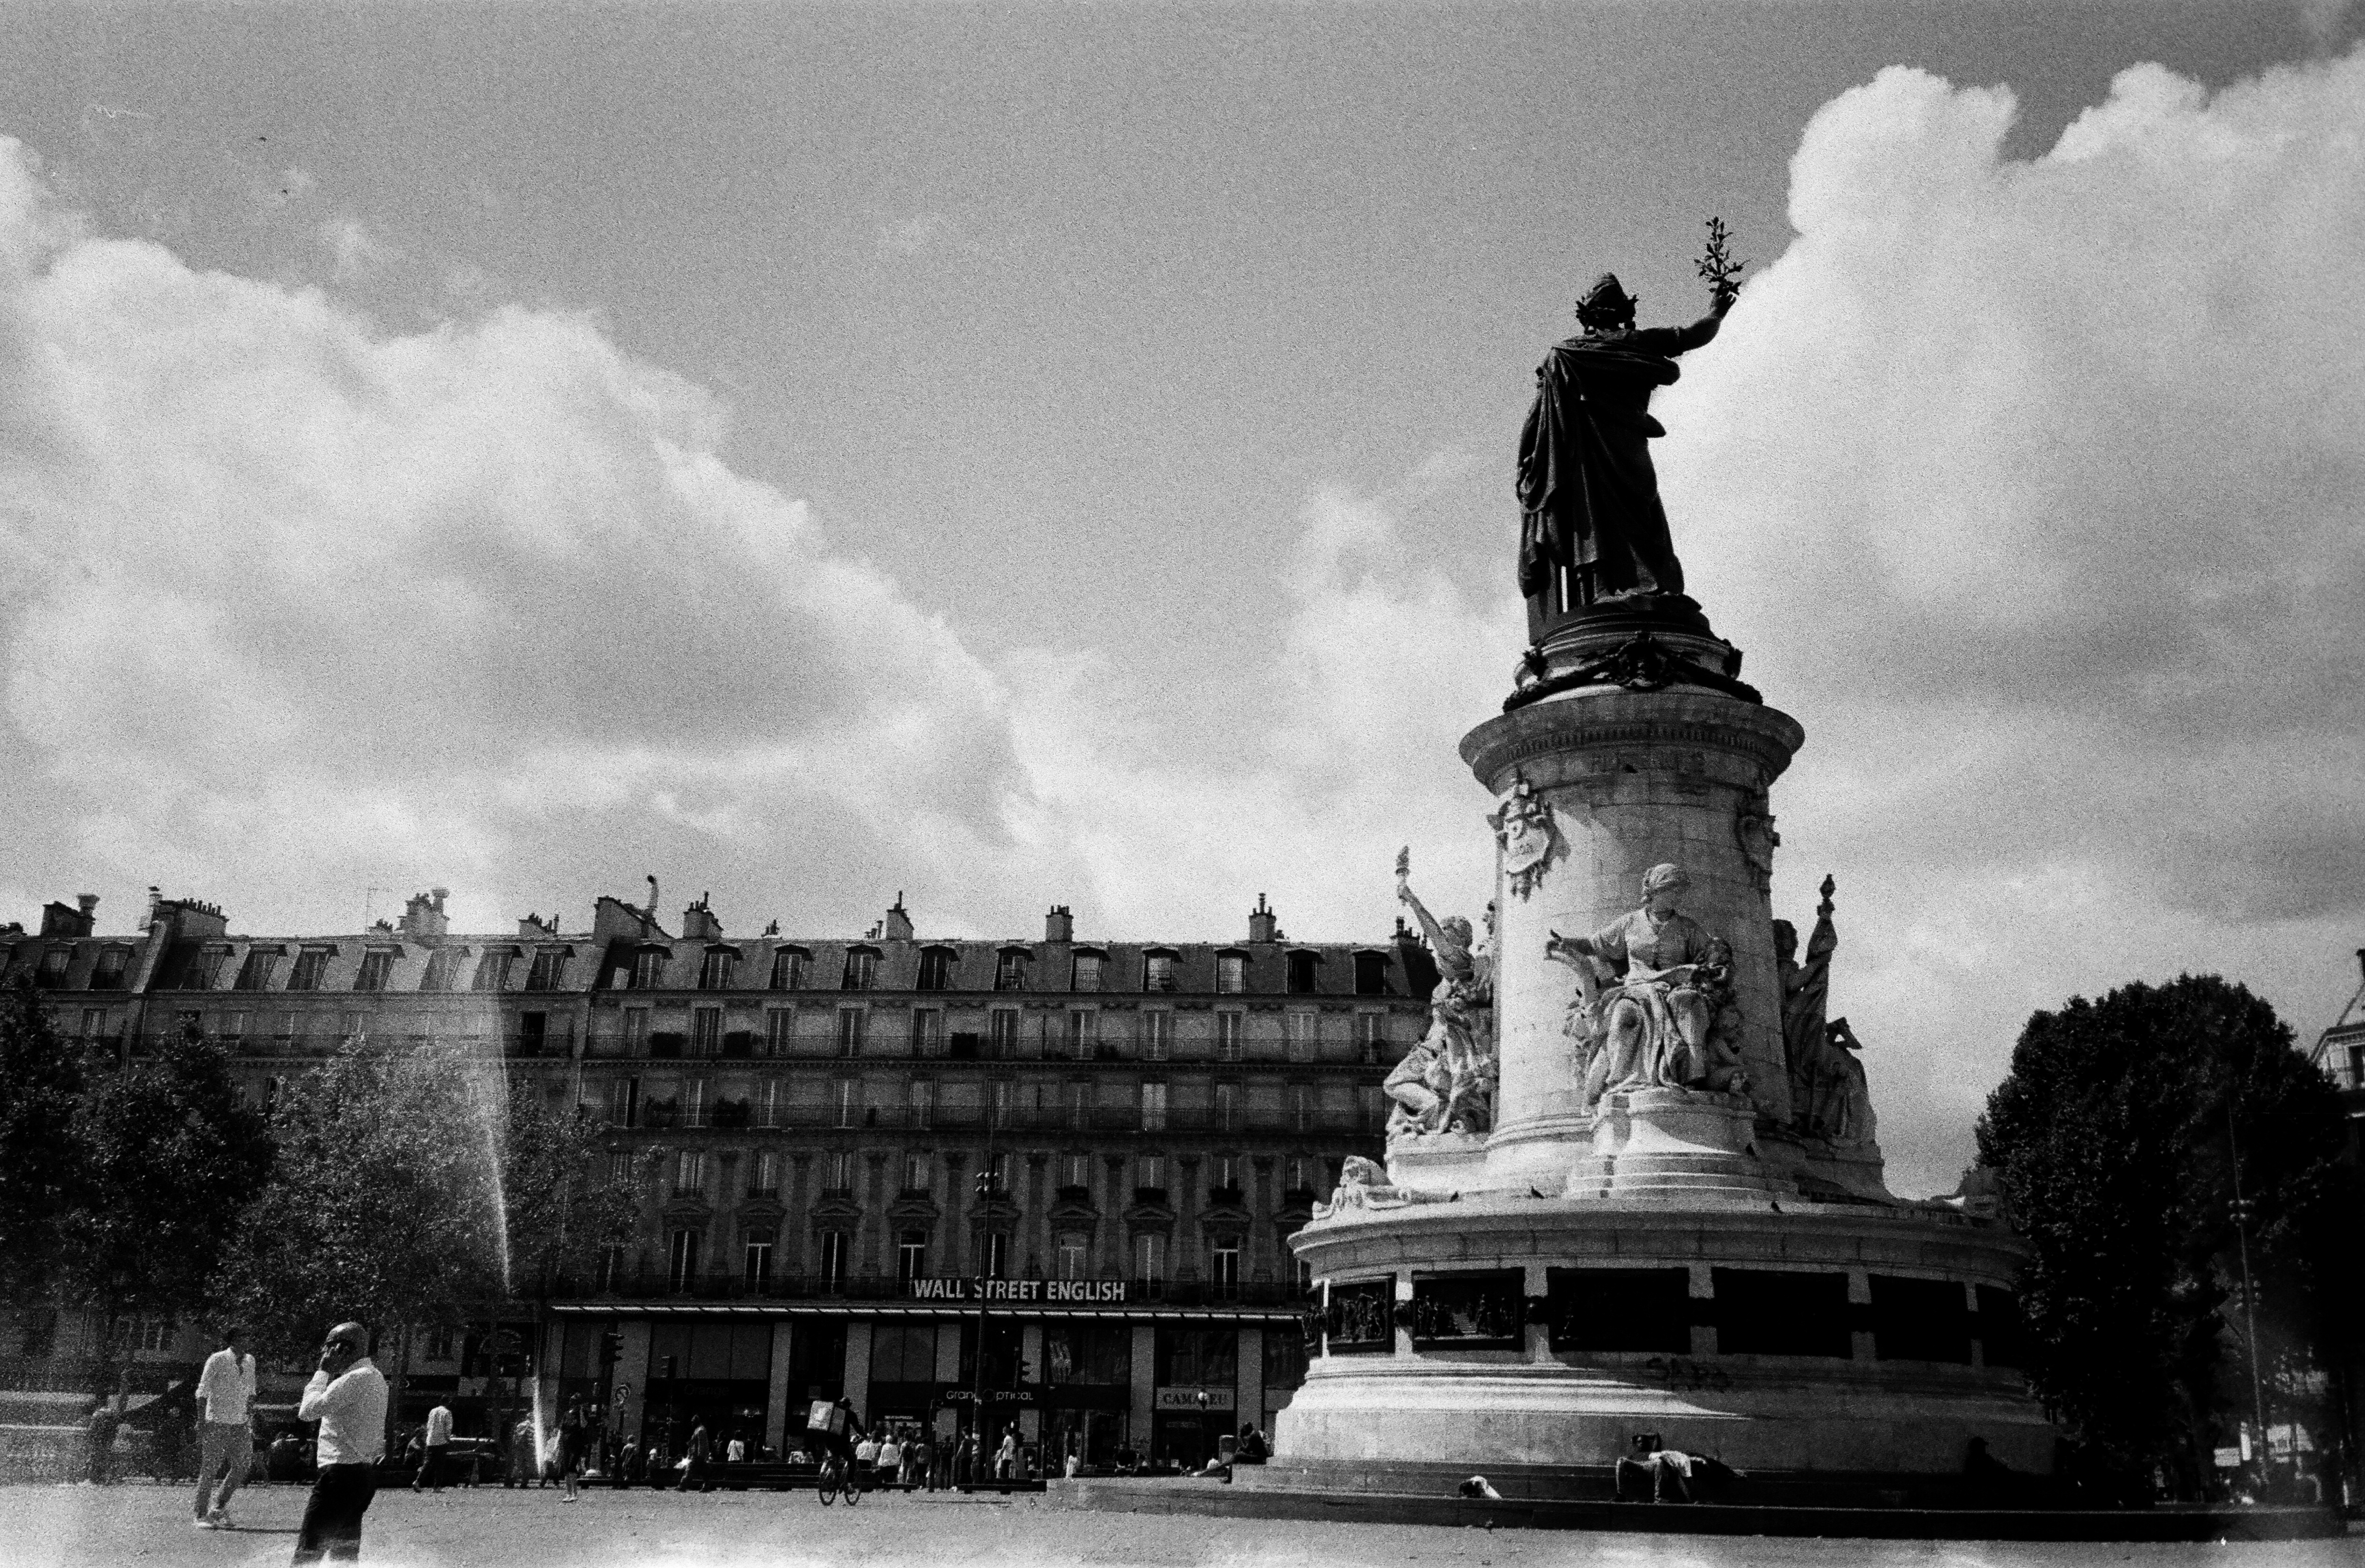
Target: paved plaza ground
{"x": 81, "y": 1527}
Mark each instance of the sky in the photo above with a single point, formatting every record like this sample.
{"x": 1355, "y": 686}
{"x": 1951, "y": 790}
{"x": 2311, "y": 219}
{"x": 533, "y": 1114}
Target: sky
{"x": 1010, "y": 455}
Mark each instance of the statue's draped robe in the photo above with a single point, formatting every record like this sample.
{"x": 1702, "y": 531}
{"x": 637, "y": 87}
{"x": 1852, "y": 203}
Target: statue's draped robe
{"x": 1588, "y": 494}
{"x": 1806, "y": 993}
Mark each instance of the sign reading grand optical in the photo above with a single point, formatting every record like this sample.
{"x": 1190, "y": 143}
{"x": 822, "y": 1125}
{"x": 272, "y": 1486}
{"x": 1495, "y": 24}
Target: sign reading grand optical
{"x": 1039, "y": 1293}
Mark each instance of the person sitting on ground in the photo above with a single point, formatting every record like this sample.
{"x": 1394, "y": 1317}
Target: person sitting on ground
{"x": 1664, "y": 1473}
{"x": 1479, "y": 1486}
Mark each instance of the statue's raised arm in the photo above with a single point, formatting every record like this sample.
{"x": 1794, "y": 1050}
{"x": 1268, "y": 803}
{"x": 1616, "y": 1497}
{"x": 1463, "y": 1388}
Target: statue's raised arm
{"x": 1450, "y": 940}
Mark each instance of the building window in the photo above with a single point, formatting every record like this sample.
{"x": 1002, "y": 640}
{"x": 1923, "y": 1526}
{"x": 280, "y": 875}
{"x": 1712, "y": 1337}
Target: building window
{"x": 1300, "y": 1181}
{"x": 439, "y": 1342}
{"x": 720, "y": 966}
{"x": 927, "y": 1031}
{"x": 848, "y": 1102}
{"x": 1229, "y": 1027}
{"x": 1010, "y": 971}
{"x": 1301, "y": 1106}
{"x": 861, "y": 969}
{"x": 619, "y": 1169}
{"x": 1149, "y": 1260}
{"x": 1158, "y": 972}
{"x": 649, "y": 967}
{"x": 916, "y": 1170}
{"x": 1087, "y": 975}
{"x": 1225, "y": 1270}
{"x": 1080, "y": 1104}
{"x": 1367, "y": 1103}
{"x": 636, "y": 1031}
{"x": 681, "y": 1261}
{"x": 493, "y": 970}
{"x": 922, "y": 1099}
{"x": 841, "y": 1170}
{"x": 377, "y": 966}
{"x": 771, "y": 1116}
{"x": 1231, "y": 973}
{"x": 1369, "y": 1030}
{"x": 1227, "y": 1101}
{"x": 997, "y": 1255}
{"x": 764, "y": 1175}
{"x": 443, "y": 964}
{"x": 758, "y": 1259}
{"x": 849, "y": 1031}
{"x": 705, "y": 1031}
{"x": 1001, "y": 1093}
{"x": 1083, "y": 1033}
{"x": 1001, "y": 1038}
{"x": 1302, "y": 968}
{"x": 688, "y": 1172}
{"x": 1157, "y": 1035}
{"x": 789, "y": 970}
{"x": 1371, "y": 974}
{"x": 1076, "y": 1171}
{"x": 112, "y": 963}
{"x": 1301, "y": 1036}
{"x": 548, "y": 971}
{"x": 911, "y": 1254}
{"x": 835, "y": 1246}
{"x": 779, "y": 1028}
{"x": 309, "y": 965}
{"x": 624, "y": 1102}
{"x": 1071, "y": 1256}
{"x": 254, "y": 973}
{"x": 935, "y": 968}
{"x": 1153, "y": 1107}
{"x": 51, "y": 972}
{"x": 693, "y": 1103}
{"x": 1150, "y": 1173}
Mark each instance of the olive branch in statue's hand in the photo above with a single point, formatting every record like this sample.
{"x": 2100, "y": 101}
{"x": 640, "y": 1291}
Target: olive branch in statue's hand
{"x": 1717, "y": 265}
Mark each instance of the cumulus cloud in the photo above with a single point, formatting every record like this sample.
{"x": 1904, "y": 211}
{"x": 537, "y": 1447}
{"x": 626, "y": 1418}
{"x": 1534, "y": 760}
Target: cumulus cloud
{"x": 2033, "y": 487}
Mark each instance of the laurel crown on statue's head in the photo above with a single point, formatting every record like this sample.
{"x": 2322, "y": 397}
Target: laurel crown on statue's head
{"x": 1606, "y": 302}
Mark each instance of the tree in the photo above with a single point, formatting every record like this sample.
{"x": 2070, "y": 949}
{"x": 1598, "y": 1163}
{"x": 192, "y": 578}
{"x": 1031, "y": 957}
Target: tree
{"x": 169, "y": 1157}
{"x": 41, "y": 1179}
{"x": 564, "y": 1211}
{"x": 2114, "y": 1137}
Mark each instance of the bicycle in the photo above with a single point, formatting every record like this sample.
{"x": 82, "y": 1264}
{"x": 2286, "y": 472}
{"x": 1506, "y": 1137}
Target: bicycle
{"x": 837, "y": 1480}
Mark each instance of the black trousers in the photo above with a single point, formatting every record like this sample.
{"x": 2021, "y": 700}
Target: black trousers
{"x": 332, "y": 1515}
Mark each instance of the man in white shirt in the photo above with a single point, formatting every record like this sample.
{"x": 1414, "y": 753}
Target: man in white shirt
{"x": 225, "y": 1438}
{"x": 437, "y": 1449}
{"x": 889, "y": 1462}
{"x": 347, "y": 1396}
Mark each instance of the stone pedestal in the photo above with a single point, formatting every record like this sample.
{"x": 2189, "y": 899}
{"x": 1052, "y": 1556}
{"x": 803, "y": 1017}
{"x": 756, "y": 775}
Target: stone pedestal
{"x": 1676, "y": 1143}
{"x": 1634, "y": 779}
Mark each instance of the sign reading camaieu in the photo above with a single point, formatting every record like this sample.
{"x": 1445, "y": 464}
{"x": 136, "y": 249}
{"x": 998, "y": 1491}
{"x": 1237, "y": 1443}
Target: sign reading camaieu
{"x": 1033, "y": 1292}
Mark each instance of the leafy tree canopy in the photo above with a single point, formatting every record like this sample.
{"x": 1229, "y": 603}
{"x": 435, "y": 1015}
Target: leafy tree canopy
{"x": 2115, "y": 1136}
{"x": 40, "y": 1178}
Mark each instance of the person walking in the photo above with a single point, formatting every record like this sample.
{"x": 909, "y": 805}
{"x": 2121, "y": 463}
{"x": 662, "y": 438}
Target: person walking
{"x": 347, "y": 1396}
{"x": 225, "y": 1433}
{"x": 1006, "y": 1458}
{"x": 570, "y": 1453}
{"x": 701, "y": 1449}
{"x": 436, "y": 1447}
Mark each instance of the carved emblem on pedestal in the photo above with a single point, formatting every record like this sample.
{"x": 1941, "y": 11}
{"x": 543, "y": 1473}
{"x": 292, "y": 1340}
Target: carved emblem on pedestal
{"x": 1527, "y": 835}
{"x": 1753, "y": 830}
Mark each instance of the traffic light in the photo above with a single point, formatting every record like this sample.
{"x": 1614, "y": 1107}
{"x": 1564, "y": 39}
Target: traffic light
{"x": 985, "y": 1183}
{"x": 1020, "y": 1370}
{"x": 611, "y": 1350}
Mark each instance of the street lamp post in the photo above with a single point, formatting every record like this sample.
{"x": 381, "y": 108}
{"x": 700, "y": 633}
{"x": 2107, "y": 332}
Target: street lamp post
{"x": 2241, "y": 1209}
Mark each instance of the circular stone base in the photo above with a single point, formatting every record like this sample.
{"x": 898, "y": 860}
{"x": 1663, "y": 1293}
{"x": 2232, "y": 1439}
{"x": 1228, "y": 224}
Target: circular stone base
{"x": 1777, "y": 1334}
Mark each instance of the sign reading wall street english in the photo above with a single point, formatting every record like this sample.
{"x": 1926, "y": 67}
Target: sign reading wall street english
{"x": 1046, "y": 1292}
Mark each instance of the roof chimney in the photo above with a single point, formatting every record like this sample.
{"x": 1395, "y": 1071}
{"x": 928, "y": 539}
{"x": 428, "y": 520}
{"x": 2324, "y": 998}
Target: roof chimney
{"x": 1263, "y": 924}
{"x": 1059, "y": 926}
{"x": 899, "y": 922}
{"x": 89, "y": 902}
{"x": 698, "y": 921}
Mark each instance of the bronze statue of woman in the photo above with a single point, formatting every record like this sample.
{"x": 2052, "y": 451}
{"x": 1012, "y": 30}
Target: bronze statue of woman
{"x": 1592, "y": 526}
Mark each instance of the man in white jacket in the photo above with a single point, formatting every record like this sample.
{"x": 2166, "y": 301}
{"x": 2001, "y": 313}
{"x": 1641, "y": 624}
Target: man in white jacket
{"x": 347, "y": 1396}
{"x": 225, "y": 1435}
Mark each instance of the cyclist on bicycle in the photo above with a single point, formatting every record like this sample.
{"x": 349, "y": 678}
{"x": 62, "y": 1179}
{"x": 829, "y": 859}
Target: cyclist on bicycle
{"x": 833, "y": 1430}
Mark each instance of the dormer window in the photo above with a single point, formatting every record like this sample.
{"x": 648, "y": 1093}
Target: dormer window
{"x": 52, "y": 970}
{"x": 1371, "y": 974}
{"x": 254, "y": 973}
{"x": 861, "y": 969}
{"x": 1010, "y": 969}
{"x": 113, "y": 962}
{"x": 377, "y": 964}
{"x": 310, "y": 965}
{"x": 718, "y": 969}
{"x": 1158, "y": 972}
{"x": 1304, "y": 969}
{"x": 1231, "y": 973}
{"x": 549, "y": 969}
{"x": 936, "y": 969}
{"x": 493, "y": 970}
{"x": 649, "y": 967}
{"x": 789, "y": 968}
{"x": 443, "y": 965}
{"x": 1087, "y": 976}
